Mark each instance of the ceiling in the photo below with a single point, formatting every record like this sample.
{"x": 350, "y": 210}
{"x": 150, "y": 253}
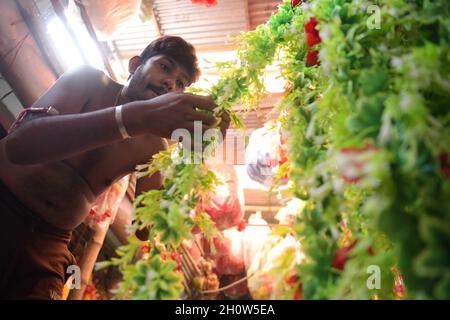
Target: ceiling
{"x": 207, "y": 28}
{"x": 210, "y": 29}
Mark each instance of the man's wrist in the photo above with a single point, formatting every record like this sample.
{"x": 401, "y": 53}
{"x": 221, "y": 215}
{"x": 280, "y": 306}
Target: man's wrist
{"x": 132, "y": 118}
{"x": 119, "y": 121}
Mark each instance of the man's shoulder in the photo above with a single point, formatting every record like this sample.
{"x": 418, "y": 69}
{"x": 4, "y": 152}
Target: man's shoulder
{"x": 86, "y": 73}
{"x": 88, "y": 80}
{"x": 75, "y": 89}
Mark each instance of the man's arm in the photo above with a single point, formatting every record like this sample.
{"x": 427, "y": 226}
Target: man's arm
{"x": 59, "y": 137}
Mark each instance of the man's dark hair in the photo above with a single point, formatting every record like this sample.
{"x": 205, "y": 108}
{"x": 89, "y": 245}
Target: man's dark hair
{"x": 176, "y": 48}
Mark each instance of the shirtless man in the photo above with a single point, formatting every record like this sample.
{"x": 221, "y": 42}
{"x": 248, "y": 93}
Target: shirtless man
{"x": 52, "y": 167}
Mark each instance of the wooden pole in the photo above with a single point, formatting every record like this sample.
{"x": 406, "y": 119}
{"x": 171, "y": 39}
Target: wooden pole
{"x": 22, "y": 63}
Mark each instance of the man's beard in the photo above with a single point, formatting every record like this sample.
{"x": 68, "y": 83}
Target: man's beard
{"x": 137, "y": 91}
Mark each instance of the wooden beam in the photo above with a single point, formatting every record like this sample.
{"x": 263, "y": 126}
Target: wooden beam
{"x": 35, "y": 24}
{"x": 155, "y": 21}
{"x": 247, "y": 14}
{"x": 22, "y": 63}
{"x": 90, "y": 28}
{"x": 59, "y": 10}
{"x": 118, "y": 56}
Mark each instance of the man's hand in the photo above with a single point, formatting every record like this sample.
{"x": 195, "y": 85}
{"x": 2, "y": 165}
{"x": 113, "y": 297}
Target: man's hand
{"x": 168, "y": 112}
{"x": 224, "y": 124}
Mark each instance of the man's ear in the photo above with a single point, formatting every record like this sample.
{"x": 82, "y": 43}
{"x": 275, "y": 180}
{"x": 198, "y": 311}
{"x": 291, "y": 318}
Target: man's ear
{"x": 134, "y": 63}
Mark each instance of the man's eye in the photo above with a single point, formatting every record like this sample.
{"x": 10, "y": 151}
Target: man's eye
{"x": 180, "y": 84}
{"x": 164, "y": 67}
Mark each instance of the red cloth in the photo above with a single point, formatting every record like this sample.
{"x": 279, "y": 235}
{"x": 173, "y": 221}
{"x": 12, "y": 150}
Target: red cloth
{"x": 32, "y": 113}
{"x": 33, "y": 254}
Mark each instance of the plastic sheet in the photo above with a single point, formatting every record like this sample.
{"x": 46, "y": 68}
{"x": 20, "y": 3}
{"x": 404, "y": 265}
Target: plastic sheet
{"x": 238, "y": 290}
{"x": 264, "y": 154}
{"x": 108, "y": 17}
{"x": 226, "y": 252}
{"x": 262, "y": 253}
{"x": 225, "y": 206}
{"x": 104, "y": 210}
{"x": 287, "y": 214}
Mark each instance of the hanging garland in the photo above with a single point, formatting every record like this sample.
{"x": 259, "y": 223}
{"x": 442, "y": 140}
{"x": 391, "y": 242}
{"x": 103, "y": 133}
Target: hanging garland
{"x": 370, "y": 126}
{"x": 368, "y": 129}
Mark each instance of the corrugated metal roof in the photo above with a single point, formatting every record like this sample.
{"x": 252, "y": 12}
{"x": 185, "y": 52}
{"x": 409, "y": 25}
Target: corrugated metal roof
{"x": 207, "y": 28}
{"x": 135, "y": 37}
{"x": 261, "y": 10}
{"x": 201, "y": 25}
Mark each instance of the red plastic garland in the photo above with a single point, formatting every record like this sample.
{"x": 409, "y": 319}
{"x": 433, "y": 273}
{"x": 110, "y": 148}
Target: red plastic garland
{"x": 312, "y": 34}
{"x": 208, "y": 3}
{"x": 445, "y": 164}
{"x": 312, "y": 58}
{"x": 295, "y": 3}
{"x": 312, "y": 38}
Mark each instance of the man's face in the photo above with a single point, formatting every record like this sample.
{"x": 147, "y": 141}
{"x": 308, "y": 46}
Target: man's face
{"x": 158, "y": 75}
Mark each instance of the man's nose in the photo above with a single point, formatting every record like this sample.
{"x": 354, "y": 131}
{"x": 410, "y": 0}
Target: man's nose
{"x": 169, "y": 84}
